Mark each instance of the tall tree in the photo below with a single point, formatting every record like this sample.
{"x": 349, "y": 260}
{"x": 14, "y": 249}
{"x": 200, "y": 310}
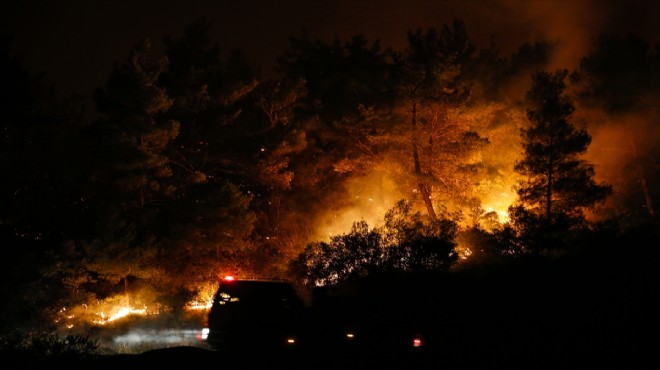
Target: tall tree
{"x": 131, "y": 173}
{"x": 208, "y": 94}
{"x": 227, "y": 158}
{"x": 134, "y": 136}
{"x": 428, "y": 81}
{"x": 332, "y": 84}
{"x": 557, "y": 184}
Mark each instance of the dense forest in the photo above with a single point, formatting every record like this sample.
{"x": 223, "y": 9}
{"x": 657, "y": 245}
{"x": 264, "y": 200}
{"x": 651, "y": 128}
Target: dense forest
{"x": 353, "y": 159}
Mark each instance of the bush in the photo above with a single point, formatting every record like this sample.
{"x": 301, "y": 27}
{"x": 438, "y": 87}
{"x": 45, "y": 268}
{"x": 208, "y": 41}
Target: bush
{"x": 38, "y": 345}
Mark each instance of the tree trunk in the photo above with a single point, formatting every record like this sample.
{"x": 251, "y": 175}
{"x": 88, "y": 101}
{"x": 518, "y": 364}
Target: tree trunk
{"x": 423, "y": 188}
{"x": 642, "y": 180}
{"x": 128, "y": 300}
{"x": 548, "y": 197}
{"x": 426, "y": 195}
{"x": 647, "y": 196}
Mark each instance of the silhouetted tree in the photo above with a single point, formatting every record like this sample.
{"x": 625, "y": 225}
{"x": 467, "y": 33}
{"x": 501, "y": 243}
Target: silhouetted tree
{"x": 415, "y": 243}
{"x": 339, "y": 77}
{"x": 133, "y": 137}
{"x": 130, "y": 175}
{"x": 215, "y": 157}
{"x": 208, "y": 97}
{"x": 353, "y": 254}
{"x": 332, "y": 83}
{"x": 406, "y": 243}
{"x": 557, "y": 184}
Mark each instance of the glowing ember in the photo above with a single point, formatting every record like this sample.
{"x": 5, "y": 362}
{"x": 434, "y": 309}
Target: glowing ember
{"x": 203, "y": 300}
{"x": 112, "y": 309}
{"x": 121, "y": 312}
{"x": 103, "y": 312}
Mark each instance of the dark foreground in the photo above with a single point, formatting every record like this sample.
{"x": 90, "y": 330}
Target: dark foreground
{"x": 533, "y": 355}
{"x": 567, "y": 316}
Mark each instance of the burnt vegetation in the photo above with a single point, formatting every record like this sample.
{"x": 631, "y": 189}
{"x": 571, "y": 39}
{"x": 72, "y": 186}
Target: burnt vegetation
{"x": 192, "y": 165}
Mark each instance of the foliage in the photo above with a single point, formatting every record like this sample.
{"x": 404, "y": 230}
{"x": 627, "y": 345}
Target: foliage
{"x": 429, "y": 87}
{"x": 48, "y": 345}
{"x": 557, "y": 185}
{"x": 481, "y": 244}
{"x": 133, "y": 173}
{"x": 405, "y": 243}
{"x": 162, "y": 212}
{"x": 418, "y": 244}
{"x": 339, "y": 77}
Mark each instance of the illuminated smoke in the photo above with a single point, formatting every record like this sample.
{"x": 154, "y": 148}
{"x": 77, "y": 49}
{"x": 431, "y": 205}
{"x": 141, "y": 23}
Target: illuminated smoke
{"x": 622, "y": 150}
{"x": 372, "y": 196}
{"x": 157, "y": 337}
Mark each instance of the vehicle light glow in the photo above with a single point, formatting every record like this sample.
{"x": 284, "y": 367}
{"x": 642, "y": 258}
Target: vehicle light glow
{"x": 417, "y": 342}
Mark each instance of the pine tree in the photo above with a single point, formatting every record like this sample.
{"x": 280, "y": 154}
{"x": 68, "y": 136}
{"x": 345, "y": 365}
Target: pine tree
{"x": 428, "y": 80}
{"x": 558, "y": 185}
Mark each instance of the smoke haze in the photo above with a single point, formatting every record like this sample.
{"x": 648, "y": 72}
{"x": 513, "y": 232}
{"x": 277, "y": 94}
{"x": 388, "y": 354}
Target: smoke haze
{"x": 75, "y": 43}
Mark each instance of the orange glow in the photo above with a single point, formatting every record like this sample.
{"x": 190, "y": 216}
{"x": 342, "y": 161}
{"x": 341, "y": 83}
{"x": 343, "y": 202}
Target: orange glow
{"x": 204, "y": 298}
{"x": 118, "y": 313}
{"x": 101, "y": 313}
{"x": 372, "y": 196}
{"x": 137, "y": 306}
{"x": 499, "y": 203}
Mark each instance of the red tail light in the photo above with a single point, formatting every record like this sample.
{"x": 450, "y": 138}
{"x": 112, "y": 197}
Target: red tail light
{"x": 417, "y": 342}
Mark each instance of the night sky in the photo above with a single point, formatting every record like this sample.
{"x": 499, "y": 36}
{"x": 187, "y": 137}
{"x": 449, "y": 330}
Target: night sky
{"x": 75, "y": 43}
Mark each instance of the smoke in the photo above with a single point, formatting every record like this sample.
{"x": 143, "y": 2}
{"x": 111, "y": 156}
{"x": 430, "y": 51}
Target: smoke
{"x": 623, "y": 151}
{"x": 136, "y": 333}
{"x": 137, "y": 340}
{"x": 371, "y": 196}
{"x": 72, "y": 44}
{"x": 570, "y": 24}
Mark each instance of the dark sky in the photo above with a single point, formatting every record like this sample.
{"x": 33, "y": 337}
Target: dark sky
{"x": 76, "y": 42}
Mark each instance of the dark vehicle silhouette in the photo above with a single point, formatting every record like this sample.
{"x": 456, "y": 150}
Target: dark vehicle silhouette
{"x": 260, "y": 315}
{"x": 252, "y": 314}
{"x": 374, "y": 322}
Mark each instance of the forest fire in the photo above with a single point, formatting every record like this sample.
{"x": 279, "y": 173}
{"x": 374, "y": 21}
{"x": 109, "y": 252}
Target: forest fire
{"x": 119, "y": 312}
{"x": 112, "y": 309}
{"x": 204, "y": 298}
{"x": 101, "y": 314}
{"x": 132, "y": 329}
{"x": 355, "y": 158}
